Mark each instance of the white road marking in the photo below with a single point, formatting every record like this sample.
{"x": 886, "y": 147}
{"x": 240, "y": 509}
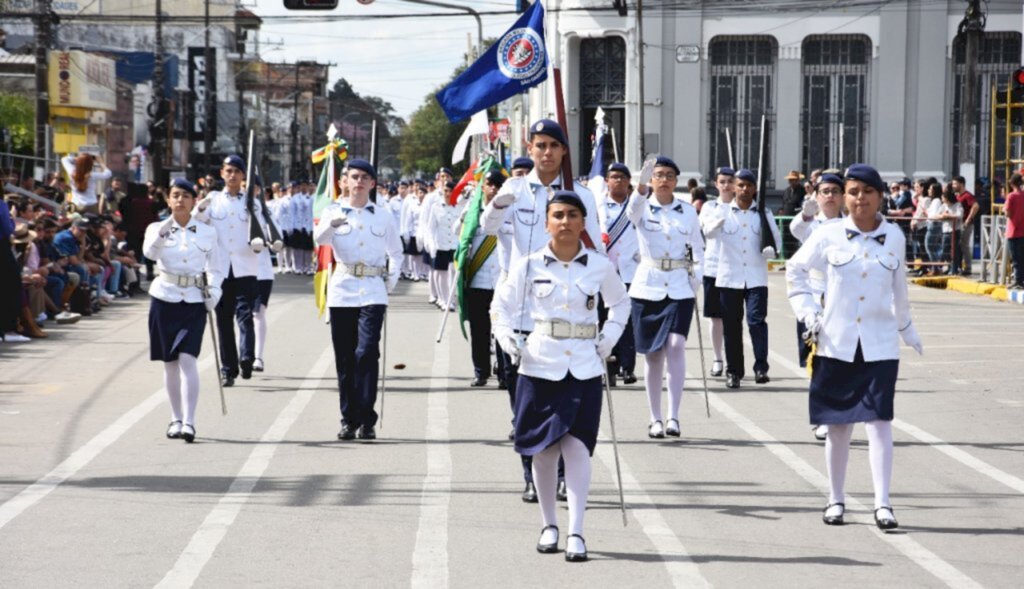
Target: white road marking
{"x": 430, "y": 555}
{"x": 213, "y": 529}
{"x": 35, "y": 492}
{"x": 682, "y": 570}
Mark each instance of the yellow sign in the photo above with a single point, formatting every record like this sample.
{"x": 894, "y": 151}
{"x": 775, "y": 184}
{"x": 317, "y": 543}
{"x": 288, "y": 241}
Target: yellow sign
{"x": 84, "y": 80}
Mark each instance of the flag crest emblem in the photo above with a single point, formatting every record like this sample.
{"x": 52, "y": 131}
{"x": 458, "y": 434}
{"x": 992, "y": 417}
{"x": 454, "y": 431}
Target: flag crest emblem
{"x": 520, "y": 53}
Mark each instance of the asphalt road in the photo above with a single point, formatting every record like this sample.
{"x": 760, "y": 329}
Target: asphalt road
{"x": 92, "y": 494}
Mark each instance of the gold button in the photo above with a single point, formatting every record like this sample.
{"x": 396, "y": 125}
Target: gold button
{"x": 565, "y": 306}
{"x": 864, "y": 275}
{"x": 666, "y": 284}
{"x": 744, "y": 224}
{"x": 744, "y": 238}
{"x": 565, "y": 287}
{"x": 668, "y": 237}
{"x": 858, "y": 319}
{"x": 865, "y": 256}
{"x": 568, "y": 353}
{"x": 862, "y": 298}
{"x": 565, "y": 265}
{"x": 360, "y": 244}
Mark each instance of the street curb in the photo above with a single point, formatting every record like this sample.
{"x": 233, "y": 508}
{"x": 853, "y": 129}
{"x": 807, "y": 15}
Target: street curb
{"x": 968, "y": 286}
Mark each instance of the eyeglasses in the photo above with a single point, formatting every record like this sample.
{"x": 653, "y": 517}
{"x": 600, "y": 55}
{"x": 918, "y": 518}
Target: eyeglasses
{"x": 830, "y": 191}
{"x": 616, "y": 177}
{"x": 665, "y": 176}
{"x": 360, "y": 177}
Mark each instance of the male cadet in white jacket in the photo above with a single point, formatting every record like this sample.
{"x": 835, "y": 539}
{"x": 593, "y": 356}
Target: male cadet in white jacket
{"x": 523, "y": 201}
{"x": 743, "y": 278}
{"x": 619, "y": 237}
{"x": 225, "y": 210}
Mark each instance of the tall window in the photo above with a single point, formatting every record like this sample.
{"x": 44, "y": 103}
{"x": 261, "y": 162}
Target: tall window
{"x": 602, "y": 84}
{"x": 834, "y": 116}
{"x": 998, "y": 58}
{"x": 742, "y": 69}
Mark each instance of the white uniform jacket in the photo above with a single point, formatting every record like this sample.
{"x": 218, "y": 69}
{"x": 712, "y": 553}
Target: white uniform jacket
{"x": 423, "y": 223}
{"x": 567, "y": 292}
{"x": 411, "y": 208}
{"x": 228, "y": 215}
{"x": 865, "y": 289}
{"x": 740, "y": 264}
{"x": 487, "y": 276}
{"x": 367, "y": 236}
{"x": 710, "y": 211}
{"x": 622, "y": 241}
{"x": 188, "y": 252}
{"x": 664, "y": 232}
{"x": 444, "y": 223}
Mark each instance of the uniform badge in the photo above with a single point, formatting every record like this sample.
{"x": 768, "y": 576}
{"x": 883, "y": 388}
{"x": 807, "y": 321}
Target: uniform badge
{"x": 591, "y": 302}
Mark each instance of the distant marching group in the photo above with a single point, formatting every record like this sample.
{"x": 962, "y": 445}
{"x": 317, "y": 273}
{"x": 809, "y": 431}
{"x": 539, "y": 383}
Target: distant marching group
{"x": 561, "y": 279}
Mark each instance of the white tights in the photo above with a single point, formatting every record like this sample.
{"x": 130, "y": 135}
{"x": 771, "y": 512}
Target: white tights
{"x": 577, "y": 480}
{"x": 837, "y": 455}
{"x": 674, "y": 356}
{"x": 717, "y": 336}
{"x": 432, "y": 281}
{"x": 443, "y": 287}
{"x": 183, "y": 398}
{"x": 259, "y": 321}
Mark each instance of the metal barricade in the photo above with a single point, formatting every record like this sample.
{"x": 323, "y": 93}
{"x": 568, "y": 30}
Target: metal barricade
{"x": 995, "y": 256}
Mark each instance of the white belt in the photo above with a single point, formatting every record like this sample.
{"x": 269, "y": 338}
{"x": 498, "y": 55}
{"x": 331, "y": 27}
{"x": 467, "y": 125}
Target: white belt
{"x": 360, "y": 270}
{"x": 667, "y": 264}
{"x": 559, "y": 329}
{"x": 184, "y": 281}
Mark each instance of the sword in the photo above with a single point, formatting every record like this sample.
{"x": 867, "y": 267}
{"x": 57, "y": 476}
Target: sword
{"x": 700, "y": 338}
{"x": 615, "y": 442}
{"x": 216, "y": 359}
{"x": 447, "y": 307}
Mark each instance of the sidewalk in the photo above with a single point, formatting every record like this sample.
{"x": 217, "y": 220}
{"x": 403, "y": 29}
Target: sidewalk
{"x": 971, "y": 286}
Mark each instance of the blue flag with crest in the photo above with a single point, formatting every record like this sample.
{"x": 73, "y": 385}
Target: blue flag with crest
{"x": 516, "y": 62}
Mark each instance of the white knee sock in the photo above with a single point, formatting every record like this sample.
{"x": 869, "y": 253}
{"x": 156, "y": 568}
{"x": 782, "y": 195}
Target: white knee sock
{"x": 654, "y": 371}
{"x": 545, "y": 479}
{"x": 837, "y": 455}
{"x": 190, "y": 390}
{"x": 259, "y": 320}
{"x": 675, "y": 359}
{"x": 432, "y": 281}
{"x": 289, "y": 263}
{"x": 880, "y": 456}
{"x": 717, "y": 337}
{"x": 172, "y": 382}
{"x": 442, "y": 286}
{"x": 577, "y": 480}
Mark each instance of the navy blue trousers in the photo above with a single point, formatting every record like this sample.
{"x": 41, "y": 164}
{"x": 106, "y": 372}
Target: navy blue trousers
{"x": 478, "y": 311}
{"x": 755, "y": 300}
{"x": 355, "y": 332}
{"x": 236, "y": 305}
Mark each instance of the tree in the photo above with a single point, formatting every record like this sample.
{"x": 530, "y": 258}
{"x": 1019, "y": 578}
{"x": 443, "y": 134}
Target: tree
{"x": 352, "y": 114}
{"x": 17, "y": 115}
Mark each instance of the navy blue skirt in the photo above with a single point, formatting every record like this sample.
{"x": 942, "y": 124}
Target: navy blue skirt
{"x": 443, "y": 259}
{"x": 547, "y": 410}
{"x": 175, "y": 328}
{"x": 654, "y": 320}
{"x": 409, "y": 246}
{"x": 429, "y": 261}
{"x": 263, "y": 296}
{"x": 712, "y": 303}
{"x": 852, "y": 392}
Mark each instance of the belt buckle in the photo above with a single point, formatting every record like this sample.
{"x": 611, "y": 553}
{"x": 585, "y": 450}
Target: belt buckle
{"x": 666, "y": 264}
{"x": 183, "y": 281}
{"x": 201, "y": 281}
{"x": 561, "y": 329}
{"x": 358, "y": 270}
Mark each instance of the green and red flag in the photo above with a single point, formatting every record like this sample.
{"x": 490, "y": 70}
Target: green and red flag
{"x": 332, "y": 156}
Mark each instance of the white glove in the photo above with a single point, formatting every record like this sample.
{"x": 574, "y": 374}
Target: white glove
{"x": 203, "y": 204}
{"x": 604, "y": 347}
{"x": 257, "y": 244}
{"x": 714, "y": 224}
{"x": 503, "y": 199}
{"x": 646, "y": 172}
{"x": 339, "y": 220}
{"x": 695, "y": 284}
{"x": 213, "y": 298}
{"x": 392, "y": 281}
{"x": 166, "y": 226}
{"x": 277, "y": 246}
{"x": 810, "y": 207}
{"x": 513, "y": 346}
{"x": 913, "y": 340}
{"x": 812, "y": 326}
{"x": 768, "y": 253}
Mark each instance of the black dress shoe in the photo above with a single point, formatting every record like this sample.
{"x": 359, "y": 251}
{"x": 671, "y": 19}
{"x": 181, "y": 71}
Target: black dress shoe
{"x": 576, "y": 556}
{"x": 628, "y": 378}
{"x": 549, "y": 548}
{"x": 833, "y": 520}
{"x": 530, "y": 493}
{"x": 887, "y": 521}
{"x": 348, "y": 432}
{"x": 512, "y": 435}
{"x": 478, "y": 382}
{"x": 227, "y": 381}
{"x": 501, "y": 385}
{"x": 761, "y": 377}
{"x": 246, "y": 367}
{"x": 732, "y": 381}
{"x": 562, "y": 494}
{"x": 367, "y": 432}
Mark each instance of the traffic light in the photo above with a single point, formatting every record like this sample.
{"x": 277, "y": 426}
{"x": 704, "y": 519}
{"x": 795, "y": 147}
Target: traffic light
{"x": 620, "y": 5}
{"x": 1017, "y": 85}
{"x": 310, "y": 4}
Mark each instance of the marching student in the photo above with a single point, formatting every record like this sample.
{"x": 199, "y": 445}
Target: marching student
{"x": 620, "y": 240}
{"x": 187, "y": 285}
{"x": 857, "y": 330}
{"x": 265, "y": 284}
{"x": 558, "y": 396}
{"x": 725, "y": 178}
{"x": 369, "y": 257}
{"x": 443, "y": 238}
{"x": 424, "y": 234}
{"x": 664, "y": 286}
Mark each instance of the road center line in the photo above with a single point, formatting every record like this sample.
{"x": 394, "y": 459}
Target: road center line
{"x": 430, "y": 555}
{"x": 213, "y": 529}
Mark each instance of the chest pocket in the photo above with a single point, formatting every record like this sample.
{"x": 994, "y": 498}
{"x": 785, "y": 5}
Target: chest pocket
{"x": 204, "y": 244}
{"x": 888, "y": 260}
{"x": 839, "y": 258}
{"x": 344, "y": 229}
{"x": 527, "y": 216}
{"x": 543, "y": 289}
{"x": 378, "y": 229}
{"x": 652, "y": 225}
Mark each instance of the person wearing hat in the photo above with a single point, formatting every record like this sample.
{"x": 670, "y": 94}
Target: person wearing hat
{"x": 408, "y": 227}
{"x": 226, "y": 211}
{"x": 265, "y": 283}
{"x": 664, "y": 287}
{"x": 742, "y": 278}
{"x": 443, "y": 238}
{"x": 725, "y": 182}
{"x": 794, "y": 194}
{"x": 304, "y": 224}
{"x": 398, "y": 193}
{"x": 188, "y": 284}
{"x": 521, "y": 202}
{"x": 424, "y": 234}
{"x": 558, "y": 398}
{"x": 620, "y": 241}
{"x": 521, "y": 166}
{"x": 857, "y": 330}
{"x": 368, "y": 253}
{"x": 284, "y": 217}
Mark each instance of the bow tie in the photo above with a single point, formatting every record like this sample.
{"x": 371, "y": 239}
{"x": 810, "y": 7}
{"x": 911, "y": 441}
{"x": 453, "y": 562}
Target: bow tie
{"x": 553, "y": 187}
{"x": 192, "y": 228}
{"x": 656, "y": 208}
{"x": 850, "y": 234}
{"x": 582, "y": 260}
{"x": 347, "y": 210}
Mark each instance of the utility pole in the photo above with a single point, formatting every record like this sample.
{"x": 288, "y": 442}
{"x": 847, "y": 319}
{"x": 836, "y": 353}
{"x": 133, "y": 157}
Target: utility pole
{"x": 158, "y": 127}
{"x": 640, "y": 81}
{"x": 970, "y": 30}
{"x": 295, "y": 125}
{"x": 44, "y": 38}
{"x": 208, "y": 97}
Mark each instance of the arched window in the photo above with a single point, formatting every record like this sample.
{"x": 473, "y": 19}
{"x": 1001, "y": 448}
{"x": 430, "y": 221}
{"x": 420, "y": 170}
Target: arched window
{"x": 602, "y": 84}
{"x": 834, "y": 115}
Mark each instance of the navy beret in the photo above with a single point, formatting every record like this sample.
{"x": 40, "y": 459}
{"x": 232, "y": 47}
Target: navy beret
{"x": 450, "y": 185}
{"x": 445, "y": 170}
{"x": 867, "y": 175}
{"x": 830, "y": 179}
{"x": 420, "y": 182}
{"x": 495, "y": 177}
{"x": 567, "y": 197}
{"x": 665, "y": 162}
{"x": 725, "y": 171}
{"x": 403, "y": 182}
{"x": 365, "y": 166}
{"x": 184, "y": 185}
{"x": 550, "y": 128}
{"x": 293, "y": 184}
{"x": 619, "y": 167}
{"x": 235, "y": 161}
{"x": 522, "y": 162}
{"x": 392, "y": 191}
{"x": 746, "y": 175}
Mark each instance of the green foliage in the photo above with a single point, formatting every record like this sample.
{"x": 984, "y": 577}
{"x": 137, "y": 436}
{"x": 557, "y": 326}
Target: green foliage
{"x": 17, "y": 114}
